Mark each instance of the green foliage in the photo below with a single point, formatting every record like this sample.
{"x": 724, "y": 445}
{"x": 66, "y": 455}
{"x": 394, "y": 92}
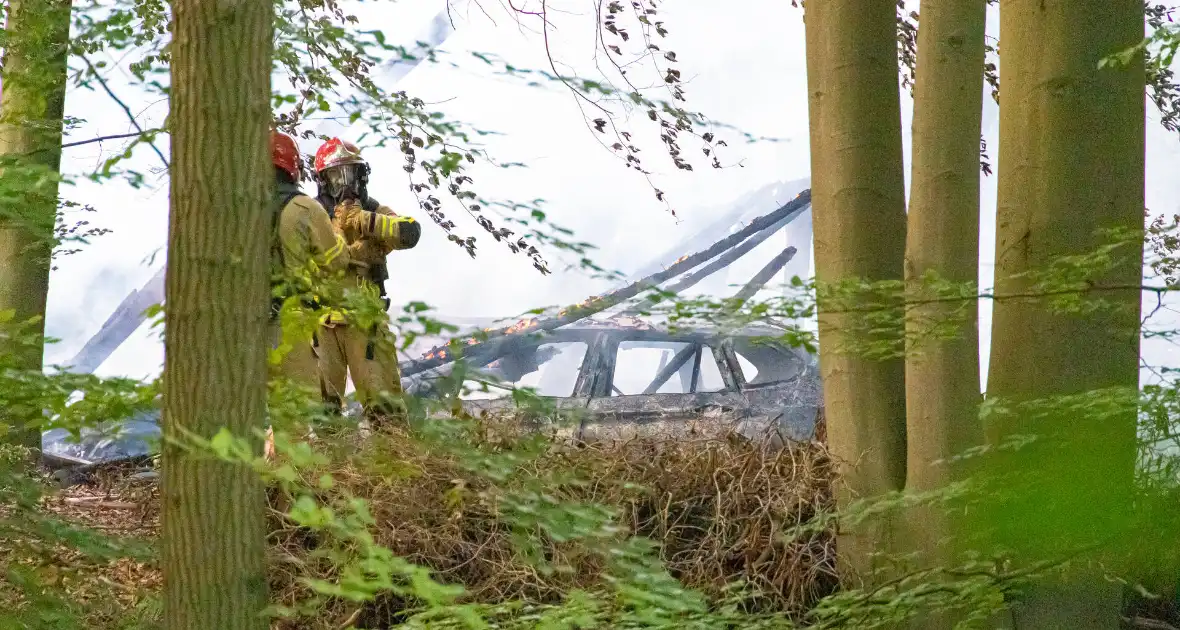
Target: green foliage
{"x": 32, "y": 565}
{"x": 1025, "y": 531}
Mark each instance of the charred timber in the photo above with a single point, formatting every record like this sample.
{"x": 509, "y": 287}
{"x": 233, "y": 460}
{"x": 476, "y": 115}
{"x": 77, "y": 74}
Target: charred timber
{"x": 762, "y": 277}
{"x": 722, "y": 261}
{"x": 443, "y": 354}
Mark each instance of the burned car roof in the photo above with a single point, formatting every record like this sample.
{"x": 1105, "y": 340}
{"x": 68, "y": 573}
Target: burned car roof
{"x": 715, "y": 370}
{"x": 643, "y": 381}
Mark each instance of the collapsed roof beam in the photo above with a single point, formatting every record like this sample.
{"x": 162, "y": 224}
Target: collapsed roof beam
{"x": 721, "y": 225}
{"x": 720, "y": 263}
{"x": 786, "y": 213}
{"x": 119, "y": 326}
{"x": 762, "y": 277}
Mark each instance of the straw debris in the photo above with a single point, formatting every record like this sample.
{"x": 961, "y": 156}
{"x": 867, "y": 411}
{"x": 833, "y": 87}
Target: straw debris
{"x": 718, "y": 508}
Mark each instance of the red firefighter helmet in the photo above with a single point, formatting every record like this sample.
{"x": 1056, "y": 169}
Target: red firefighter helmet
{"x": 337, "y": 152}
{"x": 284, "y": 153}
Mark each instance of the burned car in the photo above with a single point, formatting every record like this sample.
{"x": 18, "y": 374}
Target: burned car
{"x": 130, "y": 438}
{"x": 615, "y": 382}
{"x": 622, "y": 378}
{"x": 623, "y": 382}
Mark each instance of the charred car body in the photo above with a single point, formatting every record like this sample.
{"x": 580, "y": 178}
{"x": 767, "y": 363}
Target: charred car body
{"x": 626, "y": 379}
{"x": 622, "y": 382}
{"x": 621, "y": 378}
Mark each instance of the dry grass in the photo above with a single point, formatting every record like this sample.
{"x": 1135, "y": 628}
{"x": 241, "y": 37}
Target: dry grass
{"x": 717, "y": 507}
{"x": 107, "y": 592}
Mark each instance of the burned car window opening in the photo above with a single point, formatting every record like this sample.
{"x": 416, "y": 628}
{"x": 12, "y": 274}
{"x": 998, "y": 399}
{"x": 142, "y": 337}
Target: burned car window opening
{"x": 551, "y": 369}
{"x": 678, "y": 364}
{"x": 643, "y": 367}
{"x": 763, "y": 363}
{"x": 648, "y": 365}
{"x": 709, "y": 378}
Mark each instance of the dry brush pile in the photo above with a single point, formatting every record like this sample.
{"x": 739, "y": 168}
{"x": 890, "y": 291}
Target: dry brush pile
{"x": 718, "y": 509}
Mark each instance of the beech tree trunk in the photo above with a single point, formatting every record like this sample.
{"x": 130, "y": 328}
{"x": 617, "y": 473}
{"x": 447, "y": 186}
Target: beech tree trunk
{"x": 942, "y": 239}
{"x": 217, "y": 300}
{"x": 942, "y": 375}
{"x": 1071, "y": 161}
{"x": 34, "y": 92}
{"x": 858, "y": 210}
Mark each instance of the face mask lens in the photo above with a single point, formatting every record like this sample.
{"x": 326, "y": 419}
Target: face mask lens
{"x": 340, "y": 179}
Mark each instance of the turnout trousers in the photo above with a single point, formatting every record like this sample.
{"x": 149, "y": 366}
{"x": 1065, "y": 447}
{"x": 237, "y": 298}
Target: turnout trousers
{"x": 345, "y": 350}
{"x": 300, "y": 364}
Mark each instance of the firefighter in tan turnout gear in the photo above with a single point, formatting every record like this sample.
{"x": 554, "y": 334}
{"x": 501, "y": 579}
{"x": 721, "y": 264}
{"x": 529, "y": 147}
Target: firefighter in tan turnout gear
{"x": 372, "y": 231}
{"x": 302, "y": 240}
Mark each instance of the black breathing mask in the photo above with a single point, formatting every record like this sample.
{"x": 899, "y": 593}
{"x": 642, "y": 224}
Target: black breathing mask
{"x": 345, "y": 182}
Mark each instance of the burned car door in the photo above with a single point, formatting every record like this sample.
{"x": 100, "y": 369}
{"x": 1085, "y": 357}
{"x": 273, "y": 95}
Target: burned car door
{"x": 663, "y": 387}
{"x": 780, "y": 384}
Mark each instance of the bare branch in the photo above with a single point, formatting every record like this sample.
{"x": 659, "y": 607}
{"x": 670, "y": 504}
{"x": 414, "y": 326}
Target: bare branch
{"x": 127, "y": 110}
{"x": 118, "y": 136}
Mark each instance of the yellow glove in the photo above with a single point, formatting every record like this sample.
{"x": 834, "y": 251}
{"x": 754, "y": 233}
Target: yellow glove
{"x": 353, "y": 223}
{"x": 367, "y": 252}
{"x": 394, "y": 231}
{"x": 347, "y": 220}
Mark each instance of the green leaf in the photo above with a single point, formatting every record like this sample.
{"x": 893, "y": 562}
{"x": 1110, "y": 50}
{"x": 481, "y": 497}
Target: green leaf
{"x": 222, "y": 444}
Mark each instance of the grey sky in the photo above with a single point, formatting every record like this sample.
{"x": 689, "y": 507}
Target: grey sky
{"x": 744, "y": 65}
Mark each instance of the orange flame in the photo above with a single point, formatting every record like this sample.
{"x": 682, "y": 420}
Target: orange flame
{"x": 520, "y": 325}
{"x": 523, "y": 324}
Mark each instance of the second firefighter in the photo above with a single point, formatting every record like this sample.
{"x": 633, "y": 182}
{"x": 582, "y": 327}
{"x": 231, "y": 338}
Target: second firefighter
{"x": 346, "y": 347}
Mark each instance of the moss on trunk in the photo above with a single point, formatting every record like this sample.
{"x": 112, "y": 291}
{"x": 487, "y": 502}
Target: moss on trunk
{"x": 34, "y": 92}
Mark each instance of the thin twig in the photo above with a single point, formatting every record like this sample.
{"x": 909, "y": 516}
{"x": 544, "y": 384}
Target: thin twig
{"x": 1000, "y": 297}
{"x": 127, "y": 110}
{"x": 117, "y": 136}
{"x": 351, "y": 619}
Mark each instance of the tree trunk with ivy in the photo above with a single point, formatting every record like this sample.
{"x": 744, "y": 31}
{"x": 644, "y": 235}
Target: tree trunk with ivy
{"x": 33, "y": 81}
{"x": 217, "y": 290}
{"x": 1071, "y": 163}
{"x": 858, "y": 201}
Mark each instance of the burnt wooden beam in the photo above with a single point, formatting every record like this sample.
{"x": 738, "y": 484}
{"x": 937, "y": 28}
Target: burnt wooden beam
{"x": 762, "y": 277}
{"x": 784, "y": 214}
